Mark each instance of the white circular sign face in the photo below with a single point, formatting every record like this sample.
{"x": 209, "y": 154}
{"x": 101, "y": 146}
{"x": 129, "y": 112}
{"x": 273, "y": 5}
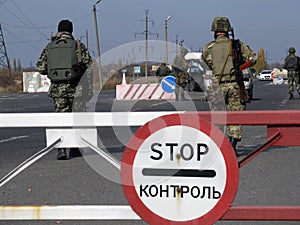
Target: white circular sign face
{"x": 177, "y": 171}
{"x": 173, "y": 172}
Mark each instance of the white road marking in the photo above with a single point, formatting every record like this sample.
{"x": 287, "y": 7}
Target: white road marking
{"x": 13, "y": 138}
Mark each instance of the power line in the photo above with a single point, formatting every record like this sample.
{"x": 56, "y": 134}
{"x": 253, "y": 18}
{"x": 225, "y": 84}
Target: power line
{"x": 83, "y": 17}
{"x": 29, "y": 20}
{"x": 24, "y": 21}
{"x": 27, "y": 27}
{"x": 16, "y": 17}
{"x": 32, "y": 26}
{"x": 21, "y": 40}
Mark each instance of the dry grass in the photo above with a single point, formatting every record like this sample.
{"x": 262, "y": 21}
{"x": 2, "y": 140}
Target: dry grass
{"x": 11, "y": 83}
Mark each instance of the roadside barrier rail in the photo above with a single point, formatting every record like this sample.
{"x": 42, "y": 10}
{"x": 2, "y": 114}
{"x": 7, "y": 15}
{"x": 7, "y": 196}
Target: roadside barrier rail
{"x": 283, "y": 129}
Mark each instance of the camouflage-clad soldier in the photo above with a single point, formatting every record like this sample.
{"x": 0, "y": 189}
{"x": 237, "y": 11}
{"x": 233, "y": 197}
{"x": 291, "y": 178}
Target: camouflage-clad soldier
{"x": 180, "y": 68}
{"x": 225, "y": 90}
{"x": 163, "y": 70}
{"x": 69, "y": 95}
{"x": 292, "y": 65}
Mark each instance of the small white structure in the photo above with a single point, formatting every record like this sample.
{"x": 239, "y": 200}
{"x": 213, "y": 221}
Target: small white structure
{"x": 35, "y": 82}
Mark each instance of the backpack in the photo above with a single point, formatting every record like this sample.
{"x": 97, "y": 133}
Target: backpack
{"x": 163, "y": 71}
{"x": 61, "y": 58}
{"x": 292, "y": 63}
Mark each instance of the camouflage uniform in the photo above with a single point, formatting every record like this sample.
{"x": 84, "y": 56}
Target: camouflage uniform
{"x": 63, "y": 92}
{"x": 180, "y": 68}
{"x": 163, "y": 70}
{"x": 224, "y": 91}
{"x": 293, "y": 71}
{"x": 70, "y": 95}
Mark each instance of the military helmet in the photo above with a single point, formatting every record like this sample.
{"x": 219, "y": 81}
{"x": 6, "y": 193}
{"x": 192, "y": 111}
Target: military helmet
{"x": 221, "y": 24}
{"x": 183, "y": 51}
{"x": 292, "y": 50}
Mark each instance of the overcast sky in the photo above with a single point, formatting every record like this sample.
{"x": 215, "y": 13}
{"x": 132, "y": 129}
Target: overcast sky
{"x": 269, "y": 24}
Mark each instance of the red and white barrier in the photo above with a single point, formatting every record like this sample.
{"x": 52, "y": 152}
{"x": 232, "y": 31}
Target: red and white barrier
{"x": 142, "y": 91}
{"x": 283, "y": 128}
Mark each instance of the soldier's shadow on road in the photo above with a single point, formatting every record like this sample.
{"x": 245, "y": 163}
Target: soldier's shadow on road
{"x": 246, "y": 150}
{"x": 110, "y": 150}
{"x": 253, "y": 100}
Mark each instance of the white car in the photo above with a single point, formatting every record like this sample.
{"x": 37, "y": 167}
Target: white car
{"x": 199, "y": 74}
{"x": 265, "y": 75}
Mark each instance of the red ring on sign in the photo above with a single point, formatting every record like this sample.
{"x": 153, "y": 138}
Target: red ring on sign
{"x": 191, "y": 120}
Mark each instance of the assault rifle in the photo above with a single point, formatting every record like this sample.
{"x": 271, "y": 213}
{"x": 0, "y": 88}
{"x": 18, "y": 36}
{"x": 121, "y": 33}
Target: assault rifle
{"x": 80, "y": 68}
{"x": 239, "y": 65}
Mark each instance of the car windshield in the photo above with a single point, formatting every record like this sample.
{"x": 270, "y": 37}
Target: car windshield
{"x": 265, "y": 72}
{"x": 195, "y": 70}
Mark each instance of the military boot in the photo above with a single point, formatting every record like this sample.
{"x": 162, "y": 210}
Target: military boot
{"x": 62, "y": 154}
{"x": 181, "y": 94}
{"x": 291, "y": 96}
{"x": 182, "y": 98}
{"x": 177, "y": 96}
{"x": 74, "y": 152}
{"x": 233, "y": 142}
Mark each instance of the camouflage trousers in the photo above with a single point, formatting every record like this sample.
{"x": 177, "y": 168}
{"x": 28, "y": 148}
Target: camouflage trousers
{"x": 180, "y": 85}
{"x": 293, "y": 79}
{"x": 181, "y": 79}
{"x": 68, "y": 104}
{"x": 226, "y": 97}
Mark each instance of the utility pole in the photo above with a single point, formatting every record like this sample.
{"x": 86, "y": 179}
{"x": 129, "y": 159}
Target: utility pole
{"x": 87, "y": 39}
{"x": 4, "y": 61}
{"x": 97, "y": 39}
{"x": 176, "y": 41}
{"x": 147, "y": 33}
{"x": 166, "y": 38}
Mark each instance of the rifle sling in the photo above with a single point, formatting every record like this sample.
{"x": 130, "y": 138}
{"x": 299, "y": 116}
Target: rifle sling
{"x": 79, "y": 51}
{"x": 224, "y": 65}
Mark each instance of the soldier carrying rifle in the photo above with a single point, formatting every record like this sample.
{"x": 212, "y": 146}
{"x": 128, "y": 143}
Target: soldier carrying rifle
{"x": 227, "y": 58}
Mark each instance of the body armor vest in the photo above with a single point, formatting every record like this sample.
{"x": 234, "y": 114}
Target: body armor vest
{"x": 61, "y": 58}
{"x": 222, "y": 58}
{"x": 292, "y": 63}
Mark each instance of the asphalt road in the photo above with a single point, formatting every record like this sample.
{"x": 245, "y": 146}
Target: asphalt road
{"x": 272, "y": 178}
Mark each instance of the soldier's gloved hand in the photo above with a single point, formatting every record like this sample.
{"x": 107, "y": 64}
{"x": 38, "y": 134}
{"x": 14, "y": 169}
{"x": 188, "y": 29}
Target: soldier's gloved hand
{"x": 79, "y": 67}
{"x": 76, "y": 67}
{"x": 82, "y": 67}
